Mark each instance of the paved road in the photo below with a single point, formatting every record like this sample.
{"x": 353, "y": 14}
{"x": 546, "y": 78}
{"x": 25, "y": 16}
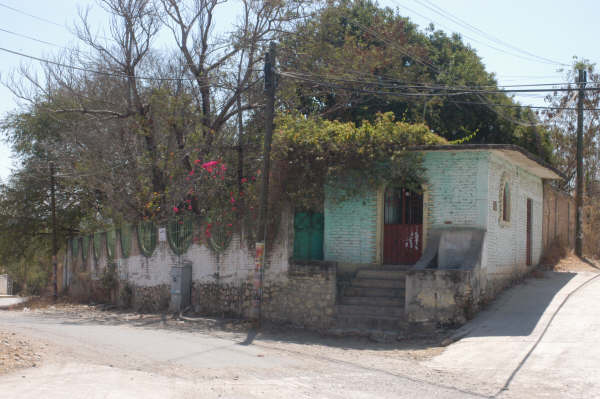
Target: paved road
{"x": 539, "y": 339}
{"x": 123, "y": 361}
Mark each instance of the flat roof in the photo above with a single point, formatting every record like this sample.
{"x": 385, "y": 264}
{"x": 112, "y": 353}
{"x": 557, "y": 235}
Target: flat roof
{"x": 510, "y": 152}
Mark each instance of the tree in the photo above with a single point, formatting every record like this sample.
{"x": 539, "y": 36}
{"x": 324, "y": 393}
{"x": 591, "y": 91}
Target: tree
{"x": 562, "y": 122}
{"x": 354, "y": 59}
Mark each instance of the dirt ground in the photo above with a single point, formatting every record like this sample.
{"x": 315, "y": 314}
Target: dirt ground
{"x": 560, "y": 260}
{"x": 17, "y": 352}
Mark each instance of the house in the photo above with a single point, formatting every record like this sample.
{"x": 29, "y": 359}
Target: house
{"x": 475, "y": 226}
{"x": 382, "y": 258}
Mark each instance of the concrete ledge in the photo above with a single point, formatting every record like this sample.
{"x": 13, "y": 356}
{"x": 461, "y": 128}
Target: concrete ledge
{"x": 446, "y": 297}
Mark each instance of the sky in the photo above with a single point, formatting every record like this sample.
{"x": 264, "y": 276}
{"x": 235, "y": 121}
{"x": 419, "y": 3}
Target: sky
{"x": 521, "y": 41}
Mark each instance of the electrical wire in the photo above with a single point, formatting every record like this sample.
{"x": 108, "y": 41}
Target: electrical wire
{"x": 335, "y": 86}
{"x": 32, "y": 16}
{"x": 460, "y": 22}
{"x": 454, "y": 90}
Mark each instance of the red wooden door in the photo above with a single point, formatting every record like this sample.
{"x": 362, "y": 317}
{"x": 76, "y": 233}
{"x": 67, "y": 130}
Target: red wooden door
{"x": 403, "y": 227}
{"x": 529, "y": 231}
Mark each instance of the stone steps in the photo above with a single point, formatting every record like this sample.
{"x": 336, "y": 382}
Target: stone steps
{"x": 372, "y": 291}
{"x": 381, "y": 274}
{"x": 378, "y": 283}
{"x": 370, "y": 310}
{"x": 373, "y": 301}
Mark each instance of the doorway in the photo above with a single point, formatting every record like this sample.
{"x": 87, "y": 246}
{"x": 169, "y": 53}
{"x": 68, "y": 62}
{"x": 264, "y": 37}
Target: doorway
{"x": 402, "y": 227}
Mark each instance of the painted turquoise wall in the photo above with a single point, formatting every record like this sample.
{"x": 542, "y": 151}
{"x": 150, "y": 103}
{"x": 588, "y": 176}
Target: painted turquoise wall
{"x": 457, "y": 183}
{"x": 457, "y": 194}
{"x": 350, "y": 228}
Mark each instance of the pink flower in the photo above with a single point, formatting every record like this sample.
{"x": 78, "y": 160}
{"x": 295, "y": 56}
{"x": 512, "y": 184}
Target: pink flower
{"x": 229, "y": 225}
{"x": 191, "y": 173}
{"x": 244, "y": 180}
{"x": 209, "y": 165}
{"x": 223, "y": 168}
{"x": 175, "y": 209}
{"x": 197, "y": 161}
{"x": 232, "y": 200}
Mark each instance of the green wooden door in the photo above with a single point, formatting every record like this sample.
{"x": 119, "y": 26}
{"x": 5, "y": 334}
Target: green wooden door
{"x": 308, "y": 236}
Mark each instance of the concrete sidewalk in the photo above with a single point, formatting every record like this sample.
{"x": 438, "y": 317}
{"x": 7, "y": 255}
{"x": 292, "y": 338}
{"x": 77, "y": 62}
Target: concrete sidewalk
{"x": 537, "y": 339}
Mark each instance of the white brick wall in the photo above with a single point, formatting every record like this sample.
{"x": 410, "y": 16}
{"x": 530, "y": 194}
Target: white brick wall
{"x": 506, "y": 244}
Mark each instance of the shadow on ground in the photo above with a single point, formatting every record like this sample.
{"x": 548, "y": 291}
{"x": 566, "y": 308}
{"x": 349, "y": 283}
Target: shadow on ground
{"x": 517, "y": 310}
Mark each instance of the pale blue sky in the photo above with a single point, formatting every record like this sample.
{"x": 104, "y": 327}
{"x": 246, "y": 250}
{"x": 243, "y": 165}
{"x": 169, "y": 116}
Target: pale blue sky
{"x": 552, "y": 29}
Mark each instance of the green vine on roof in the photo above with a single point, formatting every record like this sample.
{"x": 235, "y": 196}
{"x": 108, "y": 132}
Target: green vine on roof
{"x": 85, "y": 247}
{"x": 111, "y": 241}
{"x": 313, "y": 152}
{"x": 97, "y": 244}
{"x": 180, "y": 231}
{"x": 125, "y": 234}
{"x": 146, "y": 232}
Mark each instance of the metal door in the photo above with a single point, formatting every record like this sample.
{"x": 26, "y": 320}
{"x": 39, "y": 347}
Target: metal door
{"x": 308, "y": 236}
{"x": 403, "y": 227}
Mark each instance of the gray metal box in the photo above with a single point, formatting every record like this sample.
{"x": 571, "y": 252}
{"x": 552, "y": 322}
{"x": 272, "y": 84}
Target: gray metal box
{"x": 181, "y": 286}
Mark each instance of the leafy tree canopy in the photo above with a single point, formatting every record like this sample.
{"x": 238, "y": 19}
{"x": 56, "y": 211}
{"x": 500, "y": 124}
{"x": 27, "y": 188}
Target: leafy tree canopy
{"x": 354, "y": 59}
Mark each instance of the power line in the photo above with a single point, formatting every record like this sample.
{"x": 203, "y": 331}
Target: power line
{"x": 82, "y": 69}
{"x": 418, "y": 85}
{"x": 335, "y": 86}
{"x": 30, "y": 38}
{"x": 454, "y": 91}
{"x": 476, "y": 40}
{"x": 446, "y": 14}
{"x": 32, "y": 16}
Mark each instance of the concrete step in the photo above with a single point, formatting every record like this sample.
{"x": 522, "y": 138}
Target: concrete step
{"x": 381, "y": 323}
{"x": 378, "y": 283}
{"x": 372, "y": 301}
{"x": 382, "y": 274}
{"x": 367, "y": 310}
{"x": 372, "y": 291}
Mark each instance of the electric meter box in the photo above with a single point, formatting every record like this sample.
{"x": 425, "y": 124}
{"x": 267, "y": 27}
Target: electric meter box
{"x": 181, "y": 286}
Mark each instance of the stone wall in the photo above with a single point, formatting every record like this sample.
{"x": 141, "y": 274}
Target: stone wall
{"x": 306, "y": 299}
{"x": 447, "y": 297}
{"x": 559, "y": 219}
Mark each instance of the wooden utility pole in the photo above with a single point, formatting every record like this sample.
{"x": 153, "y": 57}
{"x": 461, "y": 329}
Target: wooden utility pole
{"x": 261, "y": 236}
{"x": 579, "y": 189}
{"x": 54, "y": 238}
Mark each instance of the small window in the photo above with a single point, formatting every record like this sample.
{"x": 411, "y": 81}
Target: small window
{"x": 506, "y": 203}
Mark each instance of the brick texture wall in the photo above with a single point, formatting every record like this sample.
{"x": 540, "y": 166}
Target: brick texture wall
{"x": 456, "y": 188}
{"x": 350, "y": 231}
{"x": 559, "y": 219}
{"x": 506, "y": 251}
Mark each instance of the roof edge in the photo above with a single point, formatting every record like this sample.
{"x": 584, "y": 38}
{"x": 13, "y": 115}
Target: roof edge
{"x": 505, "y": 147}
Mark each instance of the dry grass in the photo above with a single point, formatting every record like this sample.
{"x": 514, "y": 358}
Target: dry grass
{"x": 560, "y": 259}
